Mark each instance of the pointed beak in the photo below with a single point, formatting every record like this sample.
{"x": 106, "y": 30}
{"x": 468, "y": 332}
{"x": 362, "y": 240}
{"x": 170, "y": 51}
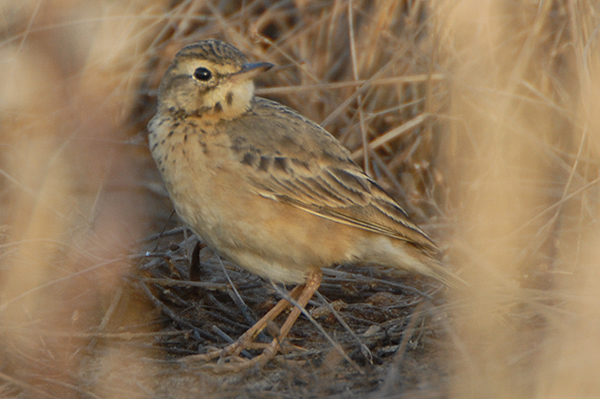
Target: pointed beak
{"x": 252, "y": 69}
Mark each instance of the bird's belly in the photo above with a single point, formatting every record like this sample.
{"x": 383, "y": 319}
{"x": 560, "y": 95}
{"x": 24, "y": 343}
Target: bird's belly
{"x": 266, "y": 237}
{"x": 247, "y": 231}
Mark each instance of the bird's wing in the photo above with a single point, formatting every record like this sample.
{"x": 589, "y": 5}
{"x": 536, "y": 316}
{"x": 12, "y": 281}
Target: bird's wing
{"x": 295, "y": 161}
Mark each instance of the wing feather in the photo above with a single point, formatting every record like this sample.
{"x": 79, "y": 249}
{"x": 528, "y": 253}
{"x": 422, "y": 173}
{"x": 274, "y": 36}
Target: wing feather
{"x": 316, "y": 173}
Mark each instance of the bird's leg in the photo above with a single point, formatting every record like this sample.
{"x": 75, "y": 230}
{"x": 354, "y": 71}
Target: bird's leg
{"x": 308, "y": 289}
{"x": 244, "y": 341}
{"x": 312, "y": 285}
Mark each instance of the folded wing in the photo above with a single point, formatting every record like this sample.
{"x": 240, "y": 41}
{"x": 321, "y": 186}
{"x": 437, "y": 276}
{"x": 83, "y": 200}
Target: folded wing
{"x": 314, "y": 172}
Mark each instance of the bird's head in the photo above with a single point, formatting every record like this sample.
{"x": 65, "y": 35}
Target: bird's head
{"x": 210, "y": 79}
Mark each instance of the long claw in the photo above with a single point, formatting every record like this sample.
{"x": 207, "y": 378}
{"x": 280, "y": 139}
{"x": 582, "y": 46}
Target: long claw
{"x": 246, "y": 341}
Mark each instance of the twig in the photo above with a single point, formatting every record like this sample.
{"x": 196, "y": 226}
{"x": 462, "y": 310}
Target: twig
{"x": 363, "y": 348}
{"x": 158, "y": 303}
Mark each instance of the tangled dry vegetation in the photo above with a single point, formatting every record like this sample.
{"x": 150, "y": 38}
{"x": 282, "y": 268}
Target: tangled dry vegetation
{"x": 480, "y": 118}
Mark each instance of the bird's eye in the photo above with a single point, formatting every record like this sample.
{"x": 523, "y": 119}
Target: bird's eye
{"x": 202, "y": 74}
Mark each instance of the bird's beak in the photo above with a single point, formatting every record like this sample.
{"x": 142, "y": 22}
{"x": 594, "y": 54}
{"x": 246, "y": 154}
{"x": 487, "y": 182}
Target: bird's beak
{"x": 252, "y": 69}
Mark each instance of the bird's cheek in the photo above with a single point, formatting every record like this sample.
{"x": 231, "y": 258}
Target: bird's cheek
{"x": 198, "y": 97}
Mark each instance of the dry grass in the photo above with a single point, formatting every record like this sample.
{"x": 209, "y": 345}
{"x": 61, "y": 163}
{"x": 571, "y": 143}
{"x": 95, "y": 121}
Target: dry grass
{"x": 481, "y": 118}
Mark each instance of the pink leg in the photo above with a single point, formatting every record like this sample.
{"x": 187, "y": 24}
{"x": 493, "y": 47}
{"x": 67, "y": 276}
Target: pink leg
{"x": 308, "y": 289}
{"x": 245, "y": 340}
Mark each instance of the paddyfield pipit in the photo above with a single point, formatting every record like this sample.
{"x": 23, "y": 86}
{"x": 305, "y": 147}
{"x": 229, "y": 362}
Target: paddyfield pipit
{"x": 269, "y": 189}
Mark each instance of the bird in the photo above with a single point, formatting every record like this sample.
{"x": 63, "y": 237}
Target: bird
{"x": 269, "y": 189}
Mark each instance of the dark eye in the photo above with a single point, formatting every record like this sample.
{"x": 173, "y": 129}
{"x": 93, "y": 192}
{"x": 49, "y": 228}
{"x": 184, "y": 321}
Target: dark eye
{"x": 202, "y": 74}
